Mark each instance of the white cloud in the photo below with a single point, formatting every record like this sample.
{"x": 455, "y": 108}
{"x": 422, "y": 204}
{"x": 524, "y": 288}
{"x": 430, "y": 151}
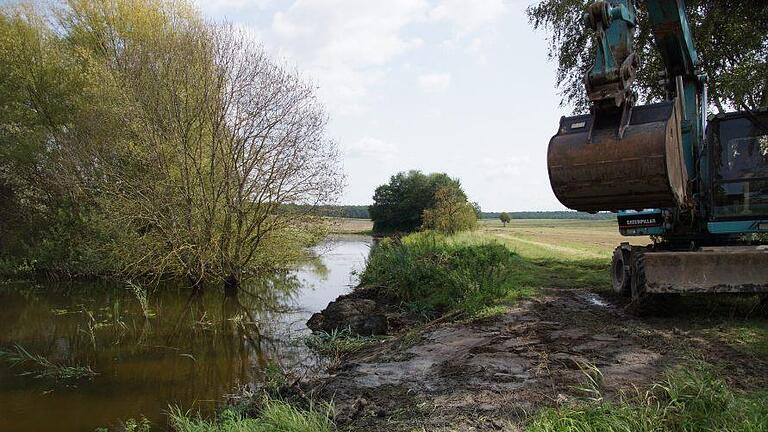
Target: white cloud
{"x": 468, "y": 16}
{"x": 285, "y": 27}
{"x": 435, "y": 82}
{"x": 228, "y": 5}
{"x": 345, "y": 44}
{"x": 474, "y": 24}
{"x": 504, "y": 167}
{"x": 372, "y": 148}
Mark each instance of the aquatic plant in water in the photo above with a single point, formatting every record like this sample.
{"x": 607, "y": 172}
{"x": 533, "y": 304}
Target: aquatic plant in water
{"x": 142, "y": 424}
{"x": 45, "y": 368}
{"x": 142, "y": 295}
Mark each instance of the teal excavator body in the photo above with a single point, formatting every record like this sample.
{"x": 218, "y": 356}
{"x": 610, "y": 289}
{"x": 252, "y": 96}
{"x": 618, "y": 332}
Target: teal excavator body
{"x": 697, "y": 184}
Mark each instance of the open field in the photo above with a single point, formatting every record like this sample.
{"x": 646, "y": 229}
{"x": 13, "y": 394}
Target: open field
{"x": 349, "y": 226}
{"x": 535, "y": 238}
{"x": 560, "y": 351}
{"x": 559, "y": 238}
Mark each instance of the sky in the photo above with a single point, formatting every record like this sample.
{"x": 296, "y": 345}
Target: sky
{"x": 456, "y": 86}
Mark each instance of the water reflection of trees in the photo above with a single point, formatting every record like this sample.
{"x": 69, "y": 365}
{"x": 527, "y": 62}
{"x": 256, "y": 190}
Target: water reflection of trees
{"x": 197, "y": 347}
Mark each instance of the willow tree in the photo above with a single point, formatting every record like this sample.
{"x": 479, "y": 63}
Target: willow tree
{"x": 450, "y": 213}
{"x": 730, "y": 37}
{"x": 190, "y": 143}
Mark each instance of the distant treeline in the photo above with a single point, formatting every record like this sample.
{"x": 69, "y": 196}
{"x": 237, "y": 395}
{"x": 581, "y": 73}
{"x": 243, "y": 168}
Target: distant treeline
{"x": 361, "y": 212}
{"x": 550, "y": 215}
{"x": 341, "y": 211}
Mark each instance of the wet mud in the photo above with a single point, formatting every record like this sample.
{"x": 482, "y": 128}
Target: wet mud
{"x": 492, "y": 374}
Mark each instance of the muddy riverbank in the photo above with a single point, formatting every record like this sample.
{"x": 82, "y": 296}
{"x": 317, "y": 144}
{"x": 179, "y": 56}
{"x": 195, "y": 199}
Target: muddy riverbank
{"x": 491, "y": 374}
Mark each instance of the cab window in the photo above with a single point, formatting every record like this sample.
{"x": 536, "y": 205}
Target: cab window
{"x": 740, "y": 169}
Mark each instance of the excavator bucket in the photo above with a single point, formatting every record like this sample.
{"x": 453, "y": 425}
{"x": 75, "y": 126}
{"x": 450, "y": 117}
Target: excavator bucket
{"x": 727, "y": 269}
{"x": 593, "y": 167}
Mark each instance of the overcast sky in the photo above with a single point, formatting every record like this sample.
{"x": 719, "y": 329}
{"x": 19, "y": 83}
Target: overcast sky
{"x": 456, "y": 86}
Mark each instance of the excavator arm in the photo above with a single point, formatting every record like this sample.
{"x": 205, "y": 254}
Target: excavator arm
{"x": 674, "y": 42}
{"x": 673, "y": 38}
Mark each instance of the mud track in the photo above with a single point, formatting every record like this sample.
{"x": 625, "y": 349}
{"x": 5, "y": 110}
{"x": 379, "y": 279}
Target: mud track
{"x": 492, "y": 374}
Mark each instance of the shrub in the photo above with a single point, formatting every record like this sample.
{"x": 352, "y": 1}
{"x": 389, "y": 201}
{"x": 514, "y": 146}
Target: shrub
{"x": 430, "y": 271}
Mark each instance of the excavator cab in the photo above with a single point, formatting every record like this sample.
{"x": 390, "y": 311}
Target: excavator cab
{"x": 739, "y": 171}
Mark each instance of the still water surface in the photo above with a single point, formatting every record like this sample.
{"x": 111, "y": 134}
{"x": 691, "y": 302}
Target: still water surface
{"x": 190, "y": 353}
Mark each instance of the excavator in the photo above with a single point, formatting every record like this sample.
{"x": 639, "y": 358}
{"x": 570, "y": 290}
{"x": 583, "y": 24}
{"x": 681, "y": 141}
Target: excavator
{"x": 697, "y": 184}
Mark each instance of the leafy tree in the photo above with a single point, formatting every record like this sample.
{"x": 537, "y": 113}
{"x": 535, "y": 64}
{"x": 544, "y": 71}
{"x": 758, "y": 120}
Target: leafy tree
{"x": 729, "y": 36}
{"x": 398, "y": 206}
{"x": 450, "y": 213}
{"x": 504, "y": 218}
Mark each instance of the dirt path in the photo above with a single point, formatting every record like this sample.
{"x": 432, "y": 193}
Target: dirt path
{"x": 489, "y": 375}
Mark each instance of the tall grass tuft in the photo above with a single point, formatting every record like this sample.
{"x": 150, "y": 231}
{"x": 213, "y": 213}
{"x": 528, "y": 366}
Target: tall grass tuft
{"x": 433, "y": 272}
{"x": 275, "y": 416}
{"x": 690, "y": 399}
{"x": 593, "y": 377}
{"x": 142, "y": 296}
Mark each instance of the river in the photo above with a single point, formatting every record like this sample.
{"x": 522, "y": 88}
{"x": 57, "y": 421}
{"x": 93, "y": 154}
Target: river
{"x": 190, "y": 352}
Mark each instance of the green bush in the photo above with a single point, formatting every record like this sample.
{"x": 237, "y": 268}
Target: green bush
{"x": 430, "y": 271}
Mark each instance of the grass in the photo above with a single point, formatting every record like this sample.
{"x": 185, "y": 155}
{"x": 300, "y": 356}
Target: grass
{"x": 340, "y": 343}
{"x": 561, "y": 253}
{"x": 541, "y": 267}
{"x": 694, "y": 398}
{"x": 748, "y": 337}
{"x": 576, "y": 254}
{"x": 44, "y": 368}
{"x": 488, "y": 312}
{"x": 452, "y": 273}
{"x": 275, "y": 416}
{"x": 561, "y": 239}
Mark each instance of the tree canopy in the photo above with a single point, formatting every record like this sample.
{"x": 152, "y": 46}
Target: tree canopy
{"x": 730, "y": 37}
{"x": 399, "y": 205}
